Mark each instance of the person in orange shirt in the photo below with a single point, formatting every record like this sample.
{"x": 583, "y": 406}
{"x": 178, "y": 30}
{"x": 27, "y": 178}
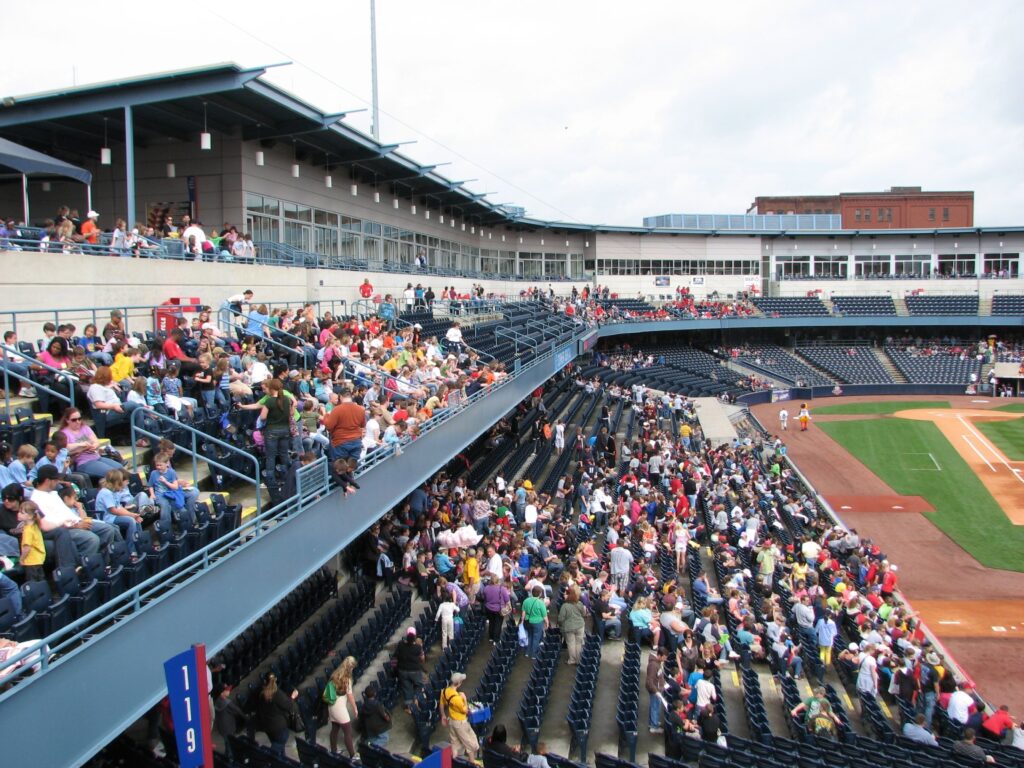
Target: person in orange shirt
{"x": 90, "y": 230}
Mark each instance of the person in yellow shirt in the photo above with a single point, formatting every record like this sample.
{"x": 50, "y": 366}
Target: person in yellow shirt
{"x": 454, "y": 714}
{"x": 685, "y": 431}
{"x": 33, "y": 553}
{"x": 123, "y": 368}
{"x": 471, "y": 574}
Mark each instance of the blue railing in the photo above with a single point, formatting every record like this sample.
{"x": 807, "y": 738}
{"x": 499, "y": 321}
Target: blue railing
{"x": 268, "y": 253}
{"x": 139, "y": 430}
{"x": 137, "y": 317}
{"x": 59, "y": 647}
{"x": 69, "y": 378}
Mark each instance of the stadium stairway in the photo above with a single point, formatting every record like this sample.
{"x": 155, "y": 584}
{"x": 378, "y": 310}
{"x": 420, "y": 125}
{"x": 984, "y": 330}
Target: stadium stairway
{"x": 813, "y": 366}
{"x": 889, "y": 365}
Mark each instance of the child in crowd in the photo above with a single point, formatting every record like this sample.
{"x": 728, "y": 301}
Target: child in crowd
{"x": 204, "y": 377}
{"x": 174, "y": 396}
{"x": 137, "y": 394}
{"x": 154, "y": 389}
{"x": 344, "y": 469}
{"x": 55, "y": 452}
{"x": 33, "y": 553}
{"x": 115, "y": 505}
{"x": 222, "y": 380}
{"x": 171, "y": 494}
{"x": 21, "y": 467}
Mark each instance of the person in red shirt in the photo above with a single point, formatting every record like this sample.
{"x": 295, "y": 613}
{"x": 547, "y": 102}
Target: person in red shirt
{"x": 889, "y": 580}
{"x": 366, "y": 290}
{"x": 997, "y": 724}
{"x": 90, "y": 230}
{"x": 173, "y": 351}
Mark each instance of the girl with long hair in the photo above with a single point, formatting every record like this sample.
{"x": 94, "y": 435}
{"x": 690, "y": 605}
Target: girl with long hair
{"x": 339, "y": 712}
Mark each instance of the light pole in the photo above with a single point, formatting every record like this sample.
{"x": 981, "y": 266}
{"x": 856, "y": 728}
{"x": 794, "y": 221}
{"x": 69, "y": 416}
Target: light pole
{"x": 375, "y": 123}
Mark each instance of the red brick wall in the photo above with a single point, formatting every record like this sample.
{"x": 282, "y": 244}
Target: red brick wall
{"x": 907, "y": 211}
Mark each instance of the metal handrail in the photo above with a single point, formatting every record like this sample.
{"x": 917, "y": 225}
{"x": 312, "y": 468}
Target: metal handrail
{"x": 280, "y": 254}
{"x": 516, "y": 337}
{"x": 95, "y": 313}
{"x": 173, "y": 577}
{"x": 31, "y": 361}
{"x": 60, "y": 643}
{"x": 273, "y": 329}
{"x": 140, "y": 430}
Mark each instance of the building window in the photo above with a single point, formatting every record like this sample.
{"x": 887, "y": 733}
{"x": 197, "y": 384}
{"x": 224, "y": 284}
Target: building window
{"x": 867, "y": 214}
{"x": 931, "y": 214}
{"x": 945, "y": 214}
{"x": 856, "y": 214}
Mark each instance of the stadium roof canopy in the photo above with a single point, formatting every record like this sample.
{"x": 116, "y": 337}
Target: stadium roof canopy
{"x": 73, "y": 124}
{"x": 232, "y": 100}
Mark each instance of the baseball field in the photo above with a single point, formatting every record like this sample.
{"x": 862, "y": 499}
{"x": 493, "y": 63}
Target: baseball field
{"x": 938, "y": 484}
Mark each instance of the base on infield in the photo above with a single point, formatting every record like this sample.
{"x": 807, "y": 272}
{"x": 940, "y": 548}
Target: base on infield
{"x": 880, "y": 504}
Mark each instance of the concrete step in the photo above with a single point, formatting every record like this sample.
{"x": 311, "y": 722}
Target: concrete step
{"x": 889, "y": 365}
{"x": 813, "y": 366}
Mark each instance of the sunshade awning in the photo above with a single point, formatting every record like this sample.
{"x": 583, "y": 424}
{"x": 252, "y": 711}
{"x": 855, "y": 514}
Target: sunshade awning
{"x": 25, "y": 160}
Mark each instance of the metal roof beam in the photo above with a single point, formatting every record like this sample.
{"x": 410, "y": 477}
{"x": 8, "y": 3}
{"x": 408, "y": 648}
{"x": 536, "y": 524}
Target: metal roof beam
{"x": 296, "y": 127}
{"x": 127, "y": 95}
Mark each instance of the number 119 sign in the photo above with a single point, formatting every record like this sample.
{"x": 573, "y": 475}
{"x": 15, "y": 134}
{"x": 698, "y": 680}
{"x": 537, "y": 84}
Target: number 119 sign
{"x": 190, "y": 706}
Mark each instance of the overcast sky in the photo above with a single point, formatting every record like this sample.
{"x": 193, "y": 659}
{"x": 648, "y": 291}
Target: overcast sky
{"x": 605, "y": 112}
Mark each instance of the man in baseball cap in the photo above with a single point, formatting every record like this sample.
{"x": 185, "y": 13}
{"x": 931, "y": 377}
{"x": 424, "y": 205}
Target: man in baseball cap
{"x": 90, "y": 229}
{"x": 455, "y": 715}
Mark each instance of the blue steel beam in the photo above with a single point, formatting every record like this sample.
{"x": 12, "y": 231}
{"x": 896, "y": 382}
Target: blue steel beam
{"x": 130, "y": 94}
{"x": 123, "y": 665}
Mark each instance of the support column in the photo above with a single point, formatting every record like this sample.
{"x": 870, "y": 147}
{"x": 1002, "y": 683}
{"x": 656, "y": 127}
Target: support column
{"x": 129, "y": 166}
{"x": 24, "y": 197}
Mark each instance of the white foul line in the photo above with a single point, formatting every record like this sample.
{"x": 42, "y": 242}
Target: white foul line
{"x": 991, "y": 449}
{"x": 980, "y": 456}
{"x": 937, "y": 467}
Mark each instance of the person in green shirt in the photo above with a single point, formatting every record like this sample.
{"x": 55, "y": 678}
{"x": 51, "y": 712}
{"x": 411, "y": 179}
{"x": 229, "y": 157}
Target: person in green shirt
{"x": 535, "y": 617}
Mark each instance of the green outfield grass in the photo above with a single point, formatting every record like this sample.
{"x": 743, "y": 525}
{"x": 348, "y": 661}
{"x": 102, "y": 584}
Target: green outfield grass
{"x": 1007, "y": 435}
{"x": 1012, "y": 408}
{"x": 888, "y": 406}
{"x": 905, "y": 455}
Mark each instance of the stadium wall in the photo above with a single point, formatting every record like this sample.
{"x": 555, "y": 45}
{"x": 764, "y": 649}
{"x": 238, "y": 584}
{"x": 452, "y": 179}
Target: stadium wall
{"x": 55, "y": 281}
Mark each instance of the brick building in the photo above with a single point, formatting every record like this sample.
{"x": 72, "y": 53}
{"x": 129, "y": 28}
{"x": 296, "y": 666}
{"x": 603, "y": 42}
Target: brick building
{"x": 897, "y": 208}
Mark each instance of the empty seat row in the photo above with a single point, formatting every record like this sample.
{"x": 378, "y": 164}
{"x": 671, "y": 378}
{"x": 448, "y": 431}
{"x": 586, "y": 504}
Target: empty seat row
{"x": 863, "y": 305}
{"x": 791, "y": 306}
{"x": 849, "y": 365}
{"x": 942, "y": 305}
{"x": 939, "y": 368}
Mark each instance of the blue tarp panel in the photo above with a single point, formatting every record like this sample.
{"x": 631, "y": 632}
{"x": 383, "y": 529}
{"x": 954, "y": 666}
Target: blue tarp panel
{"x": 25, "y": 160}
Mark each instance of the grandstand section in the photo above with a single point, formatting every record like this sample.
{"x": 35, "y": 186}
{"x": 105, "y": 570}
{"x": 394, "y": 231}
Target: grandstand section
{"x": 774, "y": 361}
{"x": 849, "y": 364}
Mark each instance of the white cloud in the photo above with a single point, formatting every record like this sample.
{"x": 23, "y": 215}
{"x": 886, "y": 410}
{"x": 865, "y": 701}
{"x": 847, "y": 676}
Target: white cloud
{"x": 607, "y": 112}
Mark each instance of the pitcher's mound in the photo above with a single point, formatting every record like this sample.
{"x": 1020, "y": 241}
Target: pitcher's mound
{"x": 886, "y": 504}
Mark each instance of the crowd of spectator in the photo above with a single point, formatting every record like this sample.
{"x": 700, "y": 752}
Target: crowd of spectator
{"x": 792, "y": 584}
{"x": 69, "y": 232}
